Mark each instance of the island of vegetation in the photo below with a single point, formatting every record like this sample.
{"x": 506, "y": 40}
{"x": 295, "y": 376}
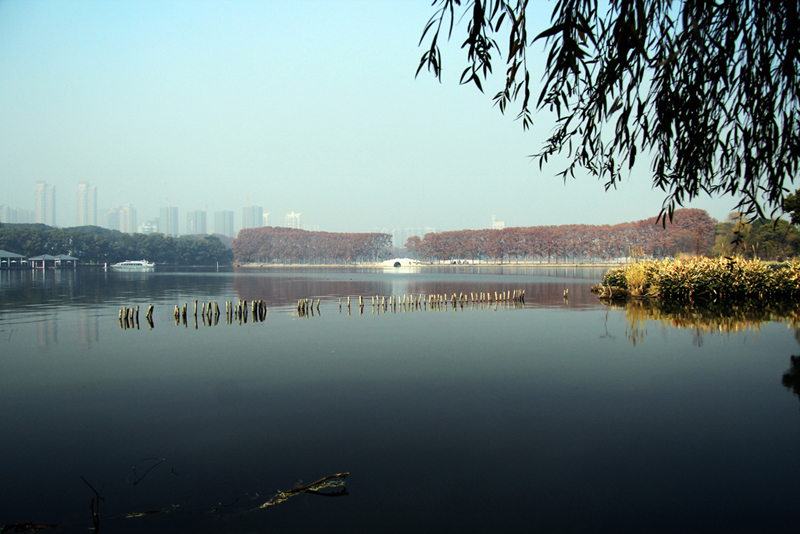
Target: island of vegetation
{"x": 706, "y": 280}
{"x": 736, "y": 272}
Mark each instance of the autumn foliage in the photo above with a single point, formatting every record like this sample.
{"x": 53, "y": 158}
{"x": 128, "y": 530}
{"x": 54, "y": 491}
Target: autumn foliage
{"x": 691, "y": 231}
{"x": 273, "y": 244}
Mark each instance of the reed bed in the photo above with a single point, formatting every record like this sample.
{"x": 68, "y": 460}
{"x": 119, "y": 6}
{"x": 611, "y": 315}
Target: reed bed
{"x": 703, "y": 280}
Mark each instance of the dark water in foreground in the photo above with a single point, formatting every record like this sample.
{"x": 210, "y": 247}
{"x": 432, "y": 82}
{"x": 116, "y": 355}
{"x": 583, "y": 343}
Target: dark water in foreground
{"x": 559, "y": 416}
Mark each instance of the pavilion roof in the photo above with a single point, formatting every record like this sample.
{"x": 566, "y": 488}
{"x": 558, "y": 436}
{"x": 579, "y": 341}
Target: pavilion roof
{"x": 7, "y": 254}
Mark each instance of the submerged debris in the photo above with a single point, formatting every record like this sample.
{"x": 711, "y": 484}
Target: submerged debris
{"x": 26, "y": 527}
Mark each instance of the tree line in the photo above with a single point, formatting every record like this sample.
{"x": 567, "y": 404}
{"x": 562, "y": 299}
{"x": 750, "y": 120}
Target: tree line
{"x": 273, "y": 244}
{"x": 691, "y": 231}
{"x": 763, "y": 239}
{"x": 92, "y": 244}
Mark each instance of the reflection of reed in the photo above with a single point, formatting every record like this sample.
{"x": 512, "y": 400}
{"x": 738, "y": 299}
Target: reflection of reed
{"x": 708, "y": 319}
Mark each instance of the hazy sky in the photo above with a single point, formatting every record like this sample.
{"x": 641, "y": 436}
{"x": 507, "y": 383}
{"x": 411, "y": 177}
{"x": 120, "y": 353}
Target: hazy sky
{"x": 304, "y": 106}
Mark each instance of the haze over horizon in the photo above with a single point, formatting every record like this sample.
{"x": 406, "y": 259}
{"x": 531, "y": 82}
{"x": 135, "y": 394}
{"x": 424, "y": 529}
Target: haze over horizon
{"x": 308, "y": 107}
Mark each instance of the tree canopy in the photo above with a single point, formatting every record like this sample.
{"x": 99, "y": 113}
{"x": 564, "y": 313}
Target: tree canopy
{"x": 274, "y": 244}
{"x": 92, "y": 244}
{"x": 692, "y": 232}
{"x": 791, "y": 205}
{"x": 708, "y": 91}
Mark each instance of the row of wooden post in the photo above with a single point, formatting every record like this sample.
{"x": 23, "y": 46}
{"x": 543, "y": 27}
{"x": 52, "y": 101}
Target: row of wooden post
{"x": 515, "y": 296}
{"x": 432, "y": 301}
{"x": 129, "y": 317}
{"x": 306, "y": 306}
{"x": 210, "y": 311}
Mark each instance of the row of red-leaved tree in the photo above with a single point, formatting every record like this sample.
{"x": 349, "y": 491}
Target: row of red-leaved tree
{"x": 691, "y": 231}
{"x": 273, "y": 244}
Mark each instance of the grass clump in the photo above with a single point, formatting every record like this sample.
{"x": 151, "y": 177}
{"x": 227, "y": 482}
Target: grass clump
{"x": 703, "y": 280}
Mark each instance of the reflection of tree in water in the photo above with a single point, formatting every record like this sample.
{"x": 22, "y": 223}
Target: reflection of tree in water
{"x": 791, "y": 378}
{"x": 705, "y": 319}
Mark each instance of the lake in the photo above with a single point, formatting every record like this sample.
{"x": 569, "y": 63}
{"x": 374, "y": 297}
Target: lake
{"x": 556, "y": 415}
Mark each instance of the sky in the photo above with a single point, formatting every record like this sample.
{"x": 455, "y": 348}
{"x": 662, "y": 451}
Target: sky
{"x": 310, "y": 107}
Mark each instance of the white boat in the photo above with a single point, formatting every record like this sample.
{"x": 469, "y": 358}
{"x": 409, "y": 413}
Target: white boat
{"x": 134, "y": 265}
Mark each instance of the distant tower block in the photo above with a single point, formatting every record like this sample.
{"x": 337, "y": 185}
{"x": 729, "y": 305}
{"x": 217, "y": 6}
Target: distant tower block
{"x": 293, "y": 220}
{"x": 196, "y": 222}
{"x": 252, "y": 217}
{"x": 44, "y": 203}
{"x": 223, "y": 223}
{"x": 168, "y": 220}
{"x": 86, "y": 204}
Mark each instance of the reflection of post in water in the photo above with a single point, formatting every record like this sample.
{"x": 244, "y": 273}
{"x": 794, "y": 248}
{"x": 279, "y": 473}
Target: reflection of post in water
{"x": 791, "y": 378}
{"x": 129, "y": 317}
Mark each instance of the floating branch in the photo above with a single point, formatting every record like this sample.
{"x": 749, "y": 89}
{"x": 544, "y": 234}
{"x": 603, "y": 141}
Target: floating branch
{"x": 332, "y": 481}
{"x": 152, "y": 512}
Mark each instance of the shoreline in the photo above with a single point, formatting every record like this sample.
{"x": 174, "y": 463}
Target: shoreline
{"x": 257, "y": 265}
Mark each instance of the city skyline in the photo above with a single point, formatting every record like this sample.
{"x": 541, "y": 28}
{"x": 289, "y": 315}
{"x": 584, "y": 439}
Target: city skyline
{"x": 188, "y": 103}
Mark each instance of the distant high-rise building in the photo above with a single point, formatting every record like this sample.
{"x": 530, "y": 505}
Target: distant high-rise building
{"x": 121, "y": 218}
{"x": 44, "y": 203}
{"x": 252, "y": 217}
{"x": 87, "y": 204}
{"x": 266, "y": 219}
{"x": 223, "y": 223}
{"x": 111, "y": 219}
{"x": 16, "y": 215}
{"x": 127, "y": 219}
{"x": 196, "y": 222}
{"x": 150, "y": 227}
{"x": 168, "y": 221}
{"x": 292, "y": 220}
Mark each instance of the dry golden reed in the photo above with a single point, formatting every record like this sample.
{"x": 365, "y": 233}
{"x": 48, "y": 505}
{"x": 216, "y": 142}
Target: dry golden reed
{"x": 707, "y": 279}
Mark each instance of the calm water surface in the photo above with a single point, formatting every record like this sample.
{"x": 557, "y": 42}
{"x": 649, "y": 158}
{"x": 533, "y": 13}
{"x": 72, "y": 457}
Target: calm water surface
{"x": 556, "y": 416}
